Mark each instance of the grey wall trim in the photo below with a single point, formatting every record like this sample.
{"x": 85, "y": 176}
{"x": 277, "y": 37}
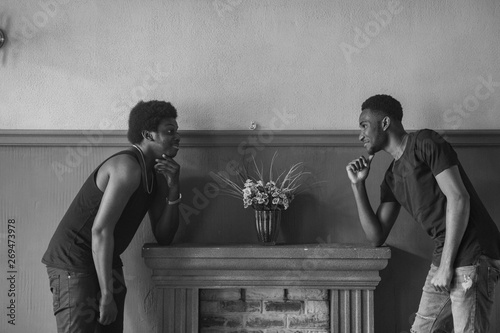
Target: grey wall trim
{"x": 224, "y": 138}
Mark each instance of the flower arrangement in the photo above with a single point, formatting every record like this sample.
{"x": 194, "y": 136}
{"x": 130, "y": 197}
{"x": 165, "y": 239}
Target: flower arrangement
{"x": 265, "y": 195}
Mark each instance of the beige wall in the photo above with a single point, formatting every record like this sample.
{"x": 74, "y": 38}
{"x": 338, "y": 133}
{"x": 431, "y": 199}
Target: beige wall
{"x": 80, "y": 64}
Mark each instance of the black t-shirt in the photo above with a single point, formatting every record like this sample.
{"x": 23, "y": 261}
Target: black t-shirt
{"x": 411, "y": 182}
{"x": 71, "y": 245}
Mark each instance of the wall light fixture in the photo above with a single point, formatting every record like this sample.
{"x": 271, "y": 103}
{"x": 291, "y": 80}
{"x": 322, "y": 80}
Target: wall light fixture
{"x": 2, "y": 38}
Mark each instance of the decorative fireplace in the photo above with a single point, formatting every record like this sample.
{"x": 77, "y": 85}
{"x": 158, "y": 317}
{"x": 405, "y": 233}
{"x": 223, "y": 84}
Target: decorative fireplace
{"x": 340, "y": 277}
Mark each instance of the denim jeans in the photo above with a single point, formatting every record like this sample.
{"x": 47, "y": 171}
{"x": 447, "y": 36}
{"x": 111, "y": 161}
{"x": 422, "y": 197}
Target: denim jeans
{"x": 76, "y": 301}
{"x": 466, "y": 307}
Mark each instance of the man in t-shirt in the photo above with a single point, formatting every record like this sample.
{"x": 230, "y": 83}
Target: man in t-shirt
{"x": 83, "y": 256}
{"x": 427, "y": 179}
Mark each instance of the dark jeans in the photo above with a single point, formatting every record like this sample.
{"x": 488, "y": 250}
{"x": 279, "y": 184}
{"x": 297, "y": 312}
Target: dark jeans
{"x": 76, "y": 301}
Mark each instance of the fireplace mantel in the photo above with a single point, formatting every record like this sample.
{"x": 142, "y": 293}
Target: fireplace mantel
{"x": 349, "y": 271}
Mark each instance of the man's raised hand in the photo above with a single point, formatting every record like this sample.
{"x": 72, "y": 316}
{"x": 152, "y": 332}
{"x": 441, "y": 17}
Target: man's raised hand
{"x": 358, "y": 169}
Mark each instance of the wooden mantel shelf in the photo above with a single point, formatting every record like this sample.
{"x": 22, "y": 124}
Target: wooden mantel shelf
{"x": 246, "y": 266}
{"x": 349, "y": 271}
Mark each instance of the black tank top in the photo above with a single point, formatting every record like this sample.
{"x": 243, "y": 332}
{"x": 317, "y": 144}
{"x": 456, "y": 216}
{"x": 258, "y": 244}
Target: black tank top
{"x": 71, "y": 245}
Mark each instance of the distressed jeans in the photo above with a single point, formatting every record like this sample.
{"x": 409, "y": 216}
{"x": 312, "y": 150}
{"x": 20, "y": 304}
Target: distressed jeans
{"x": 466, "y": 308}
{"x": 75, "y": 299}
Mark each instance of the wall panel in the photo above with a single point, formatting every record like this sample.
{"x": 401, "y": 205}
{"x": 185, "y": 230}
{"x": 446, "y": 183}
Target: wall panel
{"x": 40, "y": 172}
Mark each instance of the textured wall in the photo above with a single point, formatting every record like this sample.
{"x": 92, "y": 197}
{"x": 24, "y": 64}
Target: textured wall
{"x": 80, "y": 64}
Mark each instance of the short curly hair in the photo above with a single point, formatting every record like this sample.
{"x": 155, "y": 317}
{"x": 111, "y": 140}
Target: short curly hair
{"x": 384, "y": 105}
{"x": 146, "y": 116}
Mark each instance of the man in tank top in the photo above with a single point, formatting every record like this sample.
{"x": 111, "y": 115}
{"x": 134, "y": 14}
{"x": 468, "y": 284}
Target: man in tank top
{"x": 83, "y": 256}
{"x": 427, "y": 179}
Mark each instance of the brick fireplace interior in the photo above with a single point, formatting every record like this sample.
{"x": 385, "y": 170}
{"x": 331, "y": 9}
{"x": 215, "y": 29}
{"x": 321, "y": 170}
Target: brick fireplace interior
{"x": 264, "y": 310}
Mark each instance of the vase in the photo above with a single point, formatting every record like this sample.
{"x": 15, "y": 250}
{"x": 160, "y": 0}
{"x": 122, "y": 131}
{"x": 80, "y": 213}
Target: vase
{"x": 267, "y": 224}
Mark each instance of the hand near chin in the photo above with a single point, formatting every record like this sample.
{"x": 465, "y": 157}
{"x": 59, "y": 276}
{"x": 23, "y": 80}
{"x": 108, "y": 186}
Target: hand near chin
{"x": 358, "y": 169}
{"x": 169, "y": 168}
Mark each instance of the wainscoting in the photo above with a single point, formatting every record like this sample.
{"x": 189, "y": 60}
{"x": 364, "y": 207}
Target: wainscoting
{"x": 41, "y": 171}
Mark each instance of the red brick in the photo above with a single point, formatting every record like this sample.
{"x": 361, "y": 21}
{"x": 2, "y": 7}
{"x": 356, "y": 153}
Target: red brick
{"x": 283, "y": 306}
{"x": 309, "y": 294}
{"x": 308, "y": 321}
{"x": 265, "y": 322}
{"x": 318, "y": 307}
{"x": 220, "y": 321}
{"x": 240, "y": 306}
{"x": 265, "y": 293}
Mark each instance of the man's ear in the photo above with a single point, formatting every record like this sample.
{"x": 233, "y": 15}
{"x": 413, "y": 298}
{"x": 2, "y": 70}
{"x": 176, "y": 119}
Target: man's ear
{"x": 386, "y": 121}
{"x": 147, "y": 135}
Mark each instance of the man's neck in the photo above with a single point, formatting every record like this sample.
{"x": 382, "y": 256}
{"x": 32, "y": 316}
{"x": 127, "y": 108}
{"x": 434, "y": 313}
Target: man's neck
{"x": 397, "y": 144}
{"x": 149, "y": 159}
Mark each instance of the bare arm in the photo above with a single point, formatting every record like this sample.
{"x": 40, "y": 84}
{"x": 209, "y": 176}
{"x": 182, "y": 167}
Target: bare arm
{"x": 457, "y": 217}
{"x": 123, "y": 178}
{"x": 375, "y": 225}
{"x": 164, "y": 217}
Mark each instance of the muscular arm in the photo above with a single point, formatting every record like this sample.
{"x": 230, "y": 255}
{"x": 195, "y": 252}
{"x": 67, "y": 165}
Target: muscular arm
{"x": 457, "y": 217}
{"x": 375, "y": 225}
{"x": 120, "y": 178}
{"x": 164, "y": 217}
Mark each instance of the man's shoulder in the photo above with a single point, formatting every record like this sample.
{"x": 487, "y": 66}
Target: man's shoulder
{"x": 125, "y": 163}
{"x": 123, "y": 166}
{"x": 428, "y": 136}
{"x": 426, "y": 132}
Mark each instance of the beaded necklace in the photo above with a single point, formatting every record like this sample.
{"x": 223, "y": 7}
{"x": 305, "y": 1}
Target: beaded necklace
{"x": 145, "y": 171}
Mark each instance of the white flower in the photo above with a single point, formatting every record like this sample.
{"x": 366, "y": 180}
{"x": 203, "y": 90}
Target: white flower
{"x": 247, "y": 203}
{"x": 269, "y": 194}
